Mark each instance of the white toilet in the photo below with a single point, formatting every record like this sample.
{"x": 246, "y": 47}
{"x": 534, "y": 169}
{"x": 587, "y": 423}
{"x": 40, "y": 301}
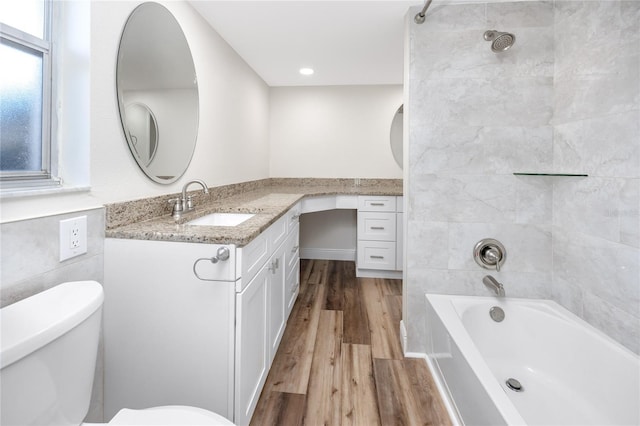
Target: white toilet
{"x": 48, "y": 349}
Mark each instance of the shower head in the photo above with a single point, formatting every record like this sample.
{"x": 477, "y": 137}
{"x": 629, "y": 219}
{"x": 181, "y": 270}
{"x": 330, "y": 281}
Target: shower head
{"x": 500, "y": 41}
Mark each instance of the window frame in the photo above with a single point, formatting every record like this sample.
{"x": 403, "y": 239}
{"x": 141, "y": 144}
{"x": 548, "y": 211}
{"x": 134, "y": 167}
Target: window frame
{"x": 46, "y": 177}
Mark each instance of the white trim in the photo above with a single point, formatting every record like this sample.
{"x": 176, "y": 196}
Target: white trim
{"x": 328, "y": 254}
{"x": 378, "y": 273}
{"x": 35, "y": 191}
{"x": 403, "y": 339}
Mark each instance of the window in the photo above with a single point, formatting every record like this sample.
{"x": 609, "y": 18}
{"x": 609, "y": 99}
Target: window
{"x": 25, "y": 94}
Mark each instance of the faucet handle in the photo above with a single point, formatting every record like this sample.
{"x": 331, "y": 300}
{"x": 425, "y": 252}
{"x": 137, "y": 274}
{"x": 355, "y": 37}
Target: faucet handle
{"x": 177, "y": 207}
{"x": 177, "y": 204}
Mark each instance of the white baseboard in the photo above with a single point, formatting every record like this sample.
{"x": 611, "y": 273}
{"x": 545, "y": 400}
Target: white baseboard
{"x": 328, "y": 254}
{"x": 378, "y": 273}
{"x": 403, "y": 339}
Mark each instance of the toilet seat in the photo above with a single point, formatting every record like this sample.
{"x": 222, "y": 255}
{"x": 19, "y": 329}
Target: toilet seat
{"x": 175, "y": 415}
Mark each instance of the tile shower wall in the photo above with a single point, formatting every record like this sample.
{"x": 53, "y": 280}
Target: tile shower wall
{"x": 30, "y": 263}
{"x": 596, "y": 221}
{"x": 475, "y": 117}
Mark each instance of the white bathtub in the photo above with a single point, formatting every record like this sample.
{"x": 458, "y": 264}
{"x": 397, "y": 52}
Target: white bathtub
{"x": 571, "y": 373}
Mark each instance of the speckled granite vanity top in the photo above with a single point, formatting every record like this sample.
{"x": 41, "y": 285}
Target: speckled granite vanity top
{"x": 269, "y": 199}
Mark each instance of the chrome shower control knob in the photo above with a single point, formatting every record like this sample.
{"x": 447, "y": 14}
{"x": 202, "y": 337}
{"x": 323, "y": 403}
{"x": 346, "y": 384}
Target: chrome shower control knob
{"x": 490, "y": 254}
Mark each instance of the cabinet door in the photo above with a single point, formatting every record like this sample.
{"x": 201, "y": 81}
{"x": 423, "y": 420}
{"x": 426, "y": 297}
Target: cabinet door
{"x": 252, "y": 347}
{"x": 276, "y": 297}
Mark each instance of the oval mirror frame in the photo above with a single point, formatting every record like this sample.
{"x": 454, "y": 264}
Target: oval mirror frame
{"x": 155, "y": 69}
{"x": 395, "y": 136}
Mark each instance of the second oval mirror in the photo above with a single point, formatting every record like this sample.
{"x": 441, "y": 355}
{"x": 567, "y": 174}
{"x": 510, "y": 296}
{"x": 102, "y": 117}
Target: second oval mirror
{"x": 157, "y": 93}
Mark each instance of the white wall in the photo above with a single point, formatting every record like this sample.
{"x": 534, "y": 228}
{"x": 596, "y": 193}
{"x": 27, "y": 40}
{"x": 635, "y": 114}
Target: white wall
{"x": 233, "y": 138}
{"x": 333, "y": 132}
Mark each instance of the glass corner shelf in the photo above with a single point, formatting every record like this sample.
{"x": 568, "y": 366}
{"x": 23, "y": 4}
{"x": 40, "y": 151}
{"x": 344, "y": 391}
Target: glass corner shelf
{"x": 551, "y": 174}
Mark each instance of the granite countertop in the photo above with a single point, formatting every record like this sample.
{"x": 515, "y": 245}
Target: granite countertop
{"x": 268, "y": 200}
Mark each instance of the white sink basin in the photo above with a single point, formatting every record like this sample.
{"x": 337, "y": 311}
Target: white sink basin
{"x": 222, "y": 219}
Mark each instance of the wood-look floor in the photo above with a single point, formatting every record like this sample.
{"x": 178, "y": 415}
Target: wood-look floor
{"x": 340, "y": 361}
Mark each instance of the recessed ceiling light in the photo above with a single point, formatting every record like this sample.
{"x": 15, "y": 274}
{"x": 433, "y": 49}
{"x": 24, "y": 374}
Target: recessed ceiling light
{"x": 306, "y": 71}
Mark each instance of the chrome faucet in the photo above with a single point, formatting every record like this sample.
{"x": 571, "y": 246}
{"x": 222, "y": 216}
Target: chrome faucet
{"x": 185, "y": 203}
{"x": 494, "y": 285}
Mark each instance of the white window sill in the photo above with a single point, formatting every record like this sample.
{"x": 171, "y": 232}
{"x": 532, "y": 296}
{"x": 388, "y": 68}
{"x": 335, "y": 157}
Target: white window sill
{"x": 35, "y": 192}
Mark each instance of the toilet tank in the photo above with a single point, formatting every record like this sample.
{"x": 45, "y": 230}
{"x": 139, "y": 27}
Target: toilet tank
{"x": 48, "y": 349}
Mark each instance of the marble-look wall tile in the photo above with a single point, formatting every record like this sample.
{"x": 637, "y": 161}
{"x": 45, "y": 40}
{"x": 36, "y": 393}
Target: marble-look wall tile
{"x": 629, "y": 213}
{"x": 433, "y": 254}
{"x": 480, "y": 198}
{"x": 596, "y": 38}
{"x": 596, "y": 120}
{"x": 31, "y": 254}
{"x": 599, "y": 146}
{"x": 494, "y": 102}
{"x": 616, "y": 323}
{"x": 528, "y": 247}
{"x": 581, "y": 99}
{"x": 455, "y": 149}
{"x": 466, "y": 54}
{"x": 520, "y": 14}
{"x": 590, "y": 205}
{"x": 599, "y": 267}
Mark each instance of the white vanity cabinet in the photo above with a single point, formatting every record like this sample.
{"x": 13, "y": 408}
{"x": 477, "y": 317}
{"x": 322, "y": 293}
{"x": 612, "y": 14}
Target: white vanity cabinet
{"x": 172, "y": 337}
{"x": 379, "y": 245}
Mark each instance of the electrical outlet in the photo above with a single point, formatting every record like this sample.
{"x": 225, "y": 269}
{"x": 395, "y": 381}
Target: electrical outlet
{"x": 73, "y": 237}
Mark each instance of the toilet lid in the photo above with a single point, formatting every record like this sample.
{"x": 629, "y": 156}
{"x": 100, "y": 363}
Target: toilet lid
{"x": 176, "y": 415}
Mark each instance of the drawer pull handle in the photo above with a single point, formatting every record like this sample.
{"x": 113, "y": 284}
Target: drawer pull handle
{"x": 376, "y": 257}
{"x": 295, "y": 216}
{"x": 377, "y": 204}
{"x": 294, "y": 249}
{"x": 379, "y": 228}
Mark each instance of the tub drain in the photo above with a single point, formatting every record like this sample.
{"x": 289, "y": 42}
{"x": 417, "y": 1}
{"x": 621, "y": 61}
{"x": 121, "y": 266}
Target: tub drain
{"x": 514, "y": 385}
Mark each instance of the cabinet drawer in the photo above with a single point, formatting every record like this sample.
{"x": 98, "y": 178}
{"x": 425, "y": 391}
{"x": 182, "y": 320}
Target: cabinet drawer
{"x": 292, "y": 286}
{"x": 277, "y": 232}
{"x": 377, "y": 255}
{"x": 253, "y": 256}
{"x": 376, "y": 226}
{"x": 376, "y": 203}
{"x": 293, "y": 217}
{"x": 292, "y": 248}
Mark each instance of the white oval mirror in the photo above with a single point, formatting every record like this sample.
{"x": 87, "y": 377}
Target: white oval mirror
{"x": 157, "y": 93}
{"x": 396, "y": 135}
